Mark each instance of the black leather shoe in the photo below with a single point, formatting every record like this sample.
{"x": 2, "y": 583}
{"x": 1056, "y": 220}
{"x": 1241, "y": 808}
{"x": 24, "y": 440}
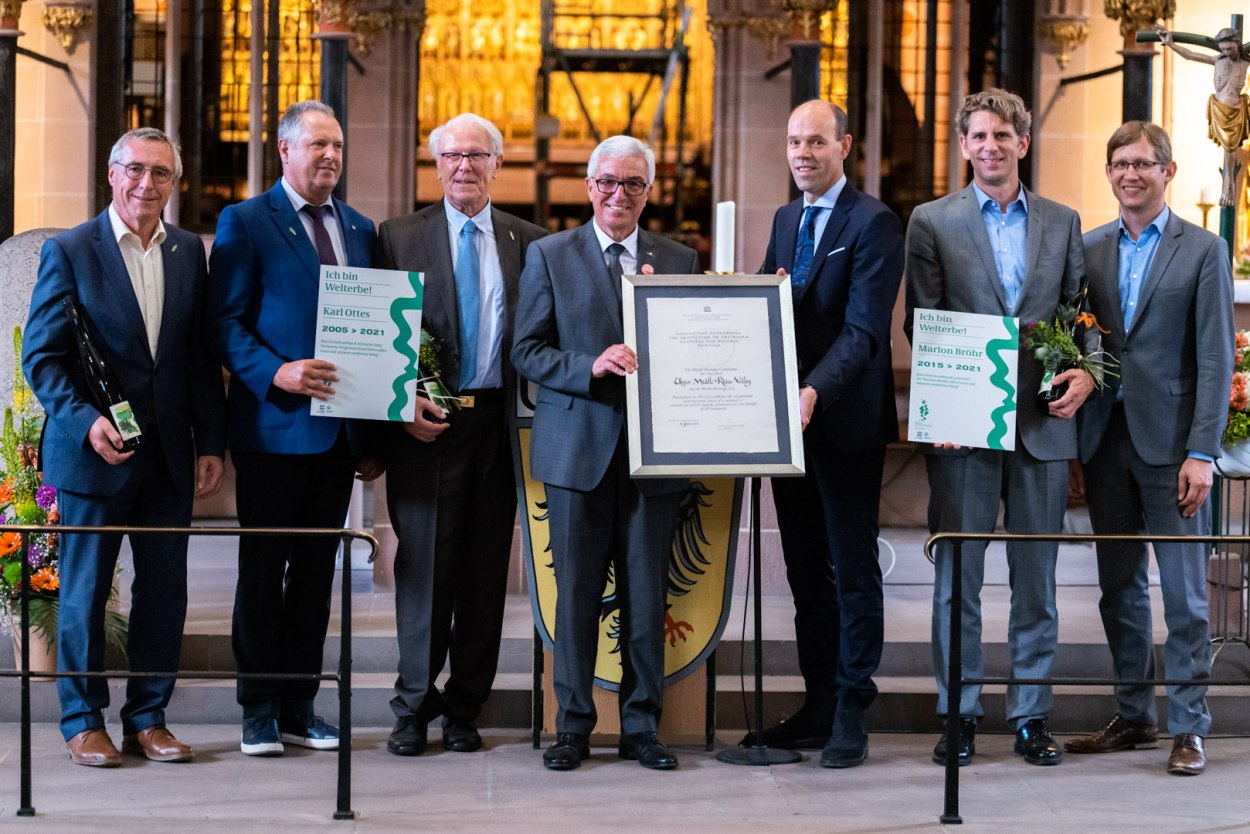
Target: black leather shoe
{"x": 408, "y": 737}
{"x": 805, "y": 730}
{"x": 967, "y": 743}
{"x": 648, "y": 750}
{"x": 567, "y": 752}
{"x": 460, "y": 735}
{"x": 1036, "y": 744}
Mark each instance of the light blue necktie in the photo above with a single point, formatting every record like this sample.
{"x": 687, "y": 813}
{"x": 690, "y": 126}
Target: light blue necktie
{"x": 467, "y": 273}
{"x": 804, "y": 249}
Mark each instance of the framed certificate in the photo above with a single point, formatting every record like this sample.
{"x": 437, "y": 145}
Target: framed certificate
{"x": 716, "y": 391}
{"x": 963, "y": 379}
{"x": 369, "y": 326}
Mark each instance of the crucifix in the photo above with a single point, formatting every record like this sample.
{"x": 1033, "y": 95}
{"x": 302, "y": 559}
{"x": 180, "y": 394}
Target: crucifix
{"x": 1228, "y": 108}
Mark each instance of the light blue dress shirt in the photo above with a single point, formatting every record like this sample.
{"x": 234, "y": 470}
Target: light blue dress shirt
{"x": 491, "y": 292}
{"x": 827, "y": 201}
{"x": 1009, "y": 238}
{"x": 1136, "y": 256}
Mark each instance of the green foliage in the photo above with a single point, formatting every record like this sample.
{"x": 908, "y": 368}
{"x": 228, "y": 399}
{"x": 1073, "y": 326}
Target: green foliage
{"x": 1238, "y": 427}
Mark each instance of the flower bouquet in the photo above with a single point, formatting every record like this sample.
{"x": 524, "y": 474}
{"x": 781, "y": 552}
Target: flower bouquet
{"x": 1234, "y": 459}
{"x": 1056, "y": 345}
{"x": 430, "y": 366}
{"x": 25, "y": 499}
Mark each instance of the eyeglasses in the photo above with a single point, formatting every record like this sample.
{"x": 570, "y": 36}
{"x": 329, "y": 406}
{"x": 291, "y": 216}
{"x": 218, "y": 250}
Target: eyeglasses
{"x": 633, "y": 188}
{"x": 475, "y": 158}
{"x": 1141, "y": 166}
{"x": 160, "y": 174}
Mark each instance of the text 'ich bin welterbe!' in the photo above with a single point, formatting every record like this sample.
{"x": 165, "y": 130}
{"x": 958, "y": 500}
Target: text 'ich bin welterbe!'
{"x": 335, "y": 283}
{"x": 937, "y": 323}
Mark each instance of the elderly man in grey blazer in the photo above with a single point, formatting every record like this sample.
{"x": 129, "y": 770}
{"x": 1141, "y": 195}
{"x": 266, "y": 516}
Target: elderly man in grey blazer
{"x": 570, "y": 341}
{"x": 998, "y": 249}
{"x": 1163, "y": 288}
{"x": 449, "y": 484}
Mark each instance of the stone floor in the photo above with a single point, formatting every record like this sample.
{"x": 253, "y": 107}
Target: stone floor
{"x": 505, "y": 789}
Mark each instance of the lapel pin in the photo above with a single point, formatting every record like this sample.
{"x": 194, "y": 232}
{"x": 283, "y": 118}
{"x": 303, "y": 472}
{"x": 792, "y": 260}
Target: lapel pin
{"x": 173, "y": 249}
{"x": 511, "y": 236}
{"x": 353, "y": 227}
{"x": 648, "y": 269}
{"x": 292, "y": 231}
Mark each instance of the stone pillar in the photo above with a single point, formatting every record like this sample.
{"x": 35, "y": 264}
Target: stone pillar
{"x": 19, "y": 264}
{"x": 333, "y": 30}
{"x": 10, "y": 13}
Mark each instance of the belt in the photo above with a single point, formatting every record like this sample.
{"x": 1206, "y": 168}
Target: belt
{"x": 480, "y": 397}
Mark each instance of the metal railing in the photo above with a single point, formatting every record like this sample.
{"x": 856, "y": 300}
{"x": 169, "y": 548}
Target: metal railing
{"x": 343, "y": 676}
{"x": 956, "y": 681}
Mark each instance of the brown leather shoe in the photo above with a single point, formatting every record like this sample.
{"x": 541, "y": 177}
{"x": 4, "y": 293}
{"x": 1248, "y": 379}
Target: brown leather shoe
{"x": 158, "y": 744}
{"x": 1117, "y": 735}
{"x": 93, "y": 748}
{"x": 1188, "y": 758}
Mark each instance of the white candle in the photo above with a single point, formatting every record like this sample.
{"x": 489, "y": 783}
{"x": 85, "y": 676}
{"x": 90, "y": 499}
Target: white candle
{"x": 1210, "y": 195}
{"x": 723, "y": 236}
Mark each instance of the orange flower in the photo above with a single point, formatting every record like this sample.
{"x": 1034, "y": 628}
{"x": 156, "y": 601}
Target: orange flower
{"x": 6, "y": 491}
{"x": 1087, "y": 319}
{"x": 1238, "y": 399}
{"x": 1243, "y": 340}
{"x": 45, "y": 579}
{"x": 9, "y": 542}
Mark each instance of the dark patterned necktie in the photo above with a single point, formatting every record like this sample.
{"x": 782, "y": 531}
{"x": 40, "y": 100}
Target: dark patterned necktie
{"x": 803, "y": 250}
{"x": 325, "y": 249}
{"x": 615, "y": 270}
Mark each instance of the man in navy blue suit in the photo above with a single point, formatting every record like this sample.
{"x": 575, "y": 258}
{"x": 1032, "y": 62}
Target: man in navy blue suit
{"x": 293, "y": 469}
{"x": 138, "y": 285}
{"x": 844, "y": 252}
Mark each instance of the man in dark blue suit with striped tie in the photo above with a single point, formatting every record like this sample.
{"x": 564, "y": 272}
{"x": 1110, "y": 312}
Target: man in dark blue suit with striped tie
{"x": 293, "y": 469}
{"x": 844, "y": 252}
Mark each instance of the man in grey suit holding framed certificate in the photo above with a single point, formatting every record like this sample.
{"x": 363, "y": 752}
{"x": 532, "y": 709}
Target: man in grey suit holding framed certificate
{"x": 570, "y": 341}
{"x": 998, "y": 249}
{"x": 1163, "y": 288}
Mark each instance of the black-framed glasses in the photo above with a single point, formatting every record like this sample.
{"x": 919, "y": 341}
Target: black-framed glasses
{"x": 160, "y": 174}
{"x": 1141, "y": 166}
{"x": 633, "y": 188}
{"x": 475, "y": 158}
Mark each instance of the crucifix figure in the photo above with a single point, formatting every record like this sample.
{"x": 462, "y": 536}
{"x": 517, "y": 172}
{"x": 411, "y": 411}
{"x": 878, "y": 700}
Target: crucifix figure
{"x": 1228, "y": 109}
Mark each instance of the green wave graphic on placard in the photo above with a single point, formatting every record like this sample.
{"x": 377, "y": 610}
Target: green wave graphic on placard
{"x": 406, "y": 345}
{"x": 998, "y": 419}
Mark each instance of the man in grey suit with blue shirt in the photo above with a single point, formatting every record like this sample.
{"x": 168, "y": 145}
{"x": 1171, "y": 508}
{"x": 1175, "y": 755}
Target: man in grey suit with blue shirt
{"x": 1162, "y": 287}
{"x": 996, "y": 248}
{"x": 570, "y": 341}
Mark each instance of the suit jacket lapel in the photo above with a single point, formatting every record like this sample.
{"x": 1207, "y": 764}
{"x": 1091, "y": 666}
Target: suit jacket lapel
{"x": 1035, "y": 229}
{"x": 597, "y": 270}
{"x": 292, "y": 231}
{"x": 839, "y": 216}
{"x": 173, "y": 257}
{"x": 981, "y": 240}
{"x": 116, "y": 276}
{"x": 1169, "y": 243}
{"x": 1109, "y": 277}
{"x": 508, "y": 243}
{"x": 355, "y": 243}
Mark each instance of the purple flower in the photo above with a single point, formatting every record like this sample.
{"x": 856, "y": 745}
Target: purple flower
{"x": 45, "y": 496}
{"x": 35, "y": 552}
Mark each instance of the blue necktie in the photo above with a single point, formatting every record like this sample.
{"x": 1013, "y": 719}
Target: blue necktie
{"x": 803, "y": 250}
{"x": 467, "y": 272}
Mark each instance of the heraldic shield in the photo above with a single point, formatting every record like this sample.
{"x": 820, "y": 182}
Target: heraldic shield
{"x": 700, "y": 569}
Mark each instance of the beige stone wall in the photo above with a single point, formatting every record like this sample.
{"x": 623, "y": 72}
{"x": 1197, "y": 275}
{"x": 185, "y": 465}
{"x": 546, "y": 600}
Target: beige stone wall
{"x": 51, "y": 183}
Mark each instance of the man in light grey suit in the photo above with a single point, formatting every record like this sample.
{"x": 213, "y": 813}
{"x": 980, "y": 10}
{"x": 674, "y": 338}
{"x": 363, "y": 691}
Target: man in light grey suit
{"x": 569, "y": 340}
{"x": 449, "y": 486}
{"x": 1163, "y": 288}
{"x": 998, "y": 249}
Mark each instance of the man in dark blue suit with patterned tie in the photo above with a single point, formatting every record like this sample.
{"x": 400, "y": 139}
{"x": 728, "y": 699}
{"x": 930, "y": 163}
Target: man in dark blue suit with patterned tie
{"x": 293, "y": 469}
{"x": 138, "y": 284}
{"x": 844, "y": 252}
